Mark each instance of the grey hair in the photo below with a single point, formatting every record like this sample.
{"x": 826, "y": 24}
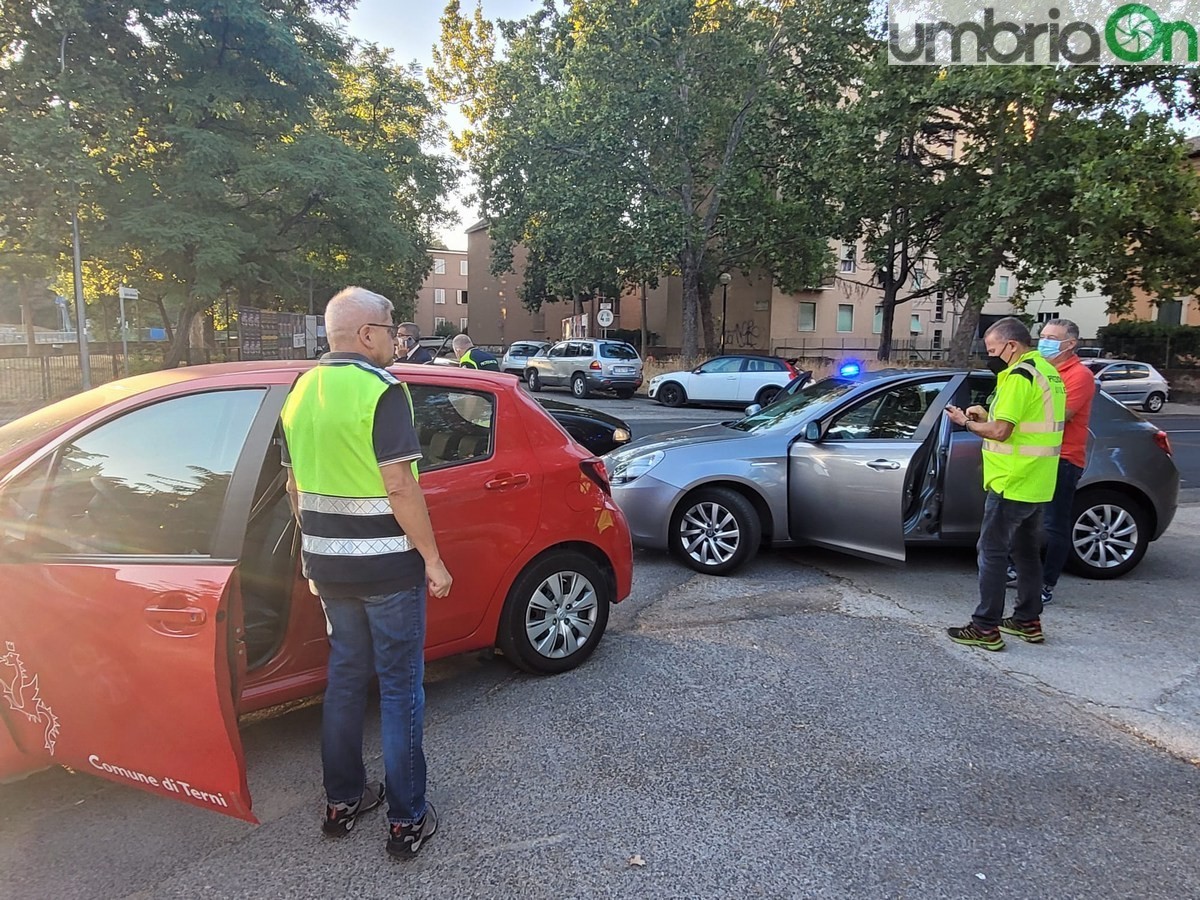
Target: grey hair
{"x": 1067, "y": 325}
{"x": 350, "y": 309}
{"x": 411, "y": 328}
{"x": 460, "y": 342}
{"x": 1011, "y": 329}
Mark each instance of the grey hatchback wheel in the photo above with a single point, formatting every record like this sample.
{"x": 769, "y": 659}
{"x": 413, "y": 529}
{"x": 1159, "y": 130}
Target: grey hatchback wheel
{"x": 579, "y": 386}
{"x": 1109, "y": 534}
{"x": 715, "y": 530}
{"x": 535, "y": 380}
{"x": 1154, "y": 402}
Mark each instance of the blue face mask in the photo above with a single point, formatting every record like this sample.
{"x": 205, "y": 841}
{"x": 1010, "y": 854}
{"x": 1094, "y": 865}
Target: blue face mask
{"x": 1049, "y": 348}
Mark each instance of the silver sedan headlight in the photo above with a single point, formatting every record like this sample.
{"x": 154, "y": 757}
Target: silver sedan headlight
{"x": 631, "y": 469}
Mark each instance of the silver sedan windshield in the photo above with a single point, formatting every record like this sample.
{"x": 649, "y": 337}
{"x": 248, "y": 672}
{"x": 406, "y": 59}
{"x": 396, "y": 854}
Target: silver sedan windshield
{"x": 790, "y": 409}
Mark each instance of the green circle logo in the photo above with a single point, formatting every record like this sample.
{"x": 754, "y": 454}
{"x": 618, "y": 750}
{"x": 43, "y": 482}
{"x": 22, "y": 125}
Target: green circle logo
{"x": 1133, "y": 33}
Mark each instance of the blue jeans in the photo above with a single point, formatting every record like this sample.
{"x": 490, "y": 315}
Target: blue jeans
{"x": 384, "y": 636}
{"x": 1058, "y": 521}
{"x": 1009, "y": 527}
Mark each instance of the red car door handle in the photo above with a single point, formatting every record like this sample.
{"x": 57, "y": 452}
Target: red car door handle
{"x": 505, "y": 480}
{"x": 187, "y": 616}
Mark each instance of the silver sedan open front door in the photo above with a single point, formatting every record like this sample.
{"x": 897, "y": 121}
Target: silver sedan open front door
{"x": 848, "y": 486}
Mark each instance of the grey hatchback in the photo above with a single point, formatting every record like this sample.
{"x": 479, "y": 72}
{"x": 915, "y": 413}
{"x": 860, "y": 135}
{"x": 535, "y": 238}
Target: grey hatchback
{"x": 870, "y": 466}
{"x": 585, "y": 365}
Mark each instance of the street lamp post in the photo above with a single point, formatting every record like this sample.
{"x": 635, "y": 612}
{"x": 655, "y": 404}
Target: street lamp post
{"x": 724, "y": 279}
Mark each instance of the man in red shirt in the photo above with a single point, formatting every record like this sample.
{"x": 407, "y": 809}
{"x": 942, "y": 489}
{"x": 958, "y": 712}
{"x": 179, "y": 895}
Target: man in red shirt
{"x": 1057, "y": 342}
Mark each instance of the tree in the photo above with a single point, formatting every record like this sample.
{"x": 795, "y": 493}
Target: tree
{"x": 620, "y": 141}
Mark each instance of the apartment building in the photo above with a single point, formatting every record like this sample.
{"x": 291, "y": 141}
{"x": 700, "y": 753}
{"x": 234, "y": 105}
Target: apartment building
{"x": 442, "y": 299}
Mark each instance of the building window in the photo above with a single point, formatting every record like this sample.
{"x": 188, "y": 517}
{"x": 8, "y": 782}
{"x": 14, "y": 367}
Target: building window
{"x": 462, "y": 325}
{"x": 877, "y": 322}
{"x": 914, "y": 324}
{"x": 439, "y": 295}
{"x": 439, "y": 266}
{"x": 1003, "y": 291}
{"x": 937, "y": 339}
{"x": 461, "y": 297}
{"x": 462, "y": 267}
{"x": 845, "y": 319}
{"x": 849, "y": 259}
{"x": 1044, "y": 317}
{"x": 918, "y": 277}
{"x": 1170, "y": 312}
{"x": 939, "y": 307}
{"x": 807, "y": 319}
{"x": 440, "y": 322}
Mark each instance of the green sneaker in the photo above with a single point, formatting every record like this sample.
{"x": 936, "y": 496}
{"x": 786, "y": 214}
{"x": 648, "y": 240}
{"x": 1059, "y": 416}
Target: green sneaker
{"x": 974, "y": 636}
{"x": 1030, "y": 632}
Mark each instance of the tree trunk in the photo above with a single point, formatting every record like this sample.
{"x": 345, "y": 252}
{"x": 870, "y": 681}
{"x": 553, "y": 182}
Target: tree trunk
{"x": 26, "y": 303}
{"x": 645, "y": 327}
{"x": 162, "y": 311}
{"x": 690, "y": 272}
{"x": 887, "y": 319}
{"x": 179, "y": 344}
{"x": 964, "y": 333}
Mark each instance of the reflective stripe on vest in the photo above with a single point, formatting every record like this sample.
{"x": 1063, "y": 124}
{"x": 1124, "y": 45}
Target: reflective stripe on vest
{"x": 339, "y": 547}
{"x": 345, "y": 506}
{"x": 1049, "y": 423}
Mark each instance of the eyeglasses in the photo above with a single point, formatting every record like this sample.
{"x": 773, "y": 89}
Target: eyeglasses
{"x": 391, "y": 329}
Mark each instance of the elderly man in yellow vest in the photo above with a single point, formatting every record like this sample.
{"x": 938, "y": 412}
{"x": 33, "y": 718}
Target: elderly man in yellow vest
{"x": 1022, "y": 437}
{"x": 370, "y": 552}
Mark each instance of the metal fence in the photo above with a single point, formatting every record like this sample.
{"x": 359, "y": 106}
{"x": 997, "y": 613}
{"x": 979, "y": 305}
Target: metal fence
{"x": 48, "y": 378}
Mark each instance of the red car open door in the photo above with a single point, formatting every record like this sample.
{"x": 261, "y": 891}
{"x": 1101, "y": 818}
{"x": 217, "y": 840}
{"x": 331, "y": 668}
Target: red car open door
{"x": 120, "y": 625}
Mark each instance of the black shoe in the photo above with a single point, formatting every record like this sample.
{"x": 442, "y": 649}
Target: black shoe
{"x": 1047, "y": 595}
{"x": 1012, "y": 577}
{"x": 973, "y": 636}
{"x": 1030, "y": 632}
{"x": 406, "y": 841}
{"x": 340, "y": 817}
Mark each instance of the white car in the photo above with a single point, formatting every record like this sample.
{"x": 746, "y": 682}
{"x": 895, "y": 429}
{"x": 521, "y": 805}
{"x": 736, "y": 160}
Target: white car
{"x": 1133, "y": 383}
{"x": 517, "y": 356}
{"x": 725, "y": 380}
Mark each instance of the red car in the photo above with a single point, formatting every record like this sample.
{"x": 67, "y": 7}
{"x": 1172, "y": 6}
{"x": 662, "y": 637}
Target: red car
{"x": 152, "y": 588}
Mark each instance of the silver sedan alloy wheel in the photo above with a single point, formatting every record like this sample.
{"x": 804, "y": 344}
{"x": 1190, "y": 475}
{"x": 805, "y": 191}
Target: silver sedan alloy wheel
{"x": 1105, "y": 536}
{"x": 561, "y": 614}
{"x": 709, "y": 533}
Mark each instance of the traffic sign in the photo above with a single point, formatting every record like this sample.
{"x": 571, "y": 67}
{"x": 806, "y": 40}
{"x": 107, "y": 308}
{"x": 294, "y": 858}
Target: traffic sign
{"x": 127, "y": 293}
{"x": 604, "y": 318}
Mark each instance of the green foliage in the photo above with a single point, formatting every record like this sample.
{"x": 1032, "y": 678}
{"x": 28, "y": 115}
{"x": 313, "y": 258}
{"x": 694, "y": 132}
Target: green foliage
{"x": 1169, "y": 346}
{"x": 241, "y": 149}
{"x": 622, "y": 141}
{"x": 445, "y": 329}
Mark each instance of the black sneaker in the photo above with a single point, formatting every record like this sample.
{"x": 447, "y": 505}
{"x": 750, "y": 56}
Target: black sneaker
{"x": 1047, "y": 594}
{"x": 1011, "y": 575}
{"x": 974, "y": 636}
{"x": 1030, "y": 632}
{"x": 340, "y": 817}
{"x": 406, "y": 841}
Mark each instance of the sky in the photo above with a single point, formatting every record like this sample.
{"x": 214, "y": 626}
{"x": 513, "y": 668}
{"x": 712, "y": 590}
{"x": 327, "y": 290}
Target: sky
{"x": 410, "y": 29}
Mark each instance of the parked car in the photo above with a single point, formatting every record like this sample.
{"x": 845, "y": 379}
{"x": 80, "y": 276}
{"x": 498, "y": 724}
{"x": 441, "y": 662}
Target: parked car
{"x": 599, "y": 432}
{"x": 1133, "y": 383}
{"x": 586, "y": 365}
{"x": 724, "y": 381}
{"x": 790, "y": 388}
{"x": 515, "y": 359}
{"x": 152, "y": 591}
{"x": 869, "y": 466}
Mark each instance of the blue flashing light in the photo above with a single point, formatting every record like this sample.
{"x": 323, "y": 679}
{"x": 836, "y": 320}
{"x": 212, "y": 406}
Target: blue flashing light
{"x": 850, "y": 369}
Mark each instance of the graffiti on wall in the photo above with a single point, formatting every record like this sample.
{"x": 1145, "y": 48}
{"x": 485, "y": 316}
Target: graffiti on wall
{"x": 744, "y": 334}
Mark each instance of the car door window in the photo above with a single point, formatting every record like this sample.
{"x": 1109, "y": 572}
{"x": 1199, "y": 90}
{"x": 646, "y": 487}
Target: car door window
{"x": 763, "y": 365}
{"x": 721, "y": 366}
{"x": 151, "y": 482}
{"x": 558, "y": 351}
{"x": 1115, "y": 373}
{"x": 1138, "y": 372}
{"x": 454, "y": 427}
{"x": 892, "y": 414}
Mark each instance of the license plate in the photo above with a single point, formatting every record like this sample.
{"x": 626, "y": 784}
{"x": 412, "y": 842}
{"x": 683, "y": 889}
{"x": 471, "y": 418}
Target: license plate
{"x": 623, "y": 370}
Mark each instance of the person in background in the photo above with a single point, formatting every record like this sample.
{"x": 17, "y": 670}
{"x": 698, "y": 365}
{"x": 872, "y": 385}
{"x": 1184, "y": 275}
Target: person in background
{"x": 409, "y": 340}
{"x": 1058, "y": 343}
{"x": 369, "y": 552}
{"x": 1022, "y": 437}
{"x": 471, "y": 357}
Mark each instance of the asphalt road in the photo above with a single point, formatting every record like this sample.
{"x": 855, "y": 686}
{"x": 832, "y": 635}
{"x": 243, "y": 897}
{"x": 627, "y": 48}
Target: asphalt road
{"x": 801, "y": 730}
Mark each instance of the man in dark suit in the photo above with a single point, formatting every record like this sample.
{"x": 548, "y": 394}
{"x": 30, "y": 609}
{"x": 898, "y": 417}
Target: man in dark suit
{"x": 409, "y": 340}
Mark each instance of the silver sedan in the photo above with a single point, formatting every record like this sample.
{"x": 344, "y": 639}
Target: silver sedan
{"x": 870, "y": 466}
